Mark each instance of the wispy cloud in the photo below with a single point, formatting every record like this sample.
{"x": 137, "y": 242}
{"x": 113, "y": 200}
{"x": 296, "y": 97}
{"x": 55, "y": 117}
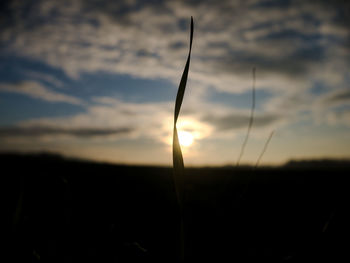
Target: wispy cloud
{"x": 38, "y": 91}
{"x": 335, "y": 98}
{"x": 40, "y": 76}
{"x": 239, "y": 121}
{"x": 333, "y": 107}
{"x": 336, "y": 118}
{"x": 104, "y": 118}
{"x": 41, "y": 131}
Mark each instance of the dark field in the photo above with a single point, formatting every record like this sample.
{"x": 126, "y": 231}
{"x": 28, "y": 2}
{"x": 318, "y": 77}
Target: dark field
{"x": 60, "y": 210}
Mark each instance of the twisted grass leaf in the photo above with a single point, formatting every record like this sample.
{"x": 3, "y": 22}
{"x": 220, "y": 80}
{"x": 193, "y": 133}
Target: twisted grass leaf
{"x": 178, "y": 164}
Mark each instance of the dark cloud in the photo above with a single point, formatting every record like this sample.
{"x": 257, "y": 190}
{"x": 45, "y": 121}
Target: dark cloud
{"x": 295, "y": 65}
{"x": 44, "y": 131}
{"x": 238, "y": 121}
{"x": 336, "y": 98}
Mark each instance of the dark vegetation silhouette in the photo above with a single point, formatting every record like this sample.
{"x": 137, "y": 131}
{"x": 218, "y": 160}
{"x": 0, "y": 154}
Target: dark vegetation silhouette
{"x": 66, "y": 210}
{"x": 178, "y": 164}
{"x": 63, "y": 210}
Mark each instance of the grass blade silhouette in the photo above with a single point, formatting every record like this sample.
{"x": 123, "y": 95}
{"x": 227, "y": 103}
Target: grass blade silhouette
{"x": 264, "y": 149}
{"x": 178, "y": 164}
{"x": 251, "y": 120}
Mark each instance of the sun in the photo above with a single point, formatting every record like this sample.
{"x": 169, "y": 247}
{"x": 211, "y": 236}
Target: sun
{"x": 190, "y": 133}
{"x": 185, "y": 138}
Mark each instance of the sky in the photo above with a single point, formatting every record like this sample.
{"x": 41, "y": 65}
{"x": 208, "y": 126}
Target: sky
{"x": 98, "y": 79}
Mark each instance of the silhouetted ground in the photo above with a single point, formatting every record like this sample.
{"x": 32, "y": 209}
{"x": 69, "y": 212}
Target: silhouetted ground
{"x": 61, "y": 210}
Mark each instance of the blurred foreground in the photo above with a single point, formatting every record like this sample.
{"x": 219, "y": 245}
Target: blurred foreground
{"x": 61, "y": 210}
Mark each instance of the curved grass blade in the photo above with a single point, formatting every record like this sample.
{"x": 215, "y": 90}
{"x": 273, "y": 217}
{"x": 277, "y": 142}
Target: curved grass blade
{"x": 178, "y": 164}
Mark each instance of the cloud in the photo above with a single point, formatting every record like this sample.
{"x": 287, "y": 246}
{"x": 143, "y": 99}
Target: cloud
{"x": 290, "y": 104}
{"x": 339, "y": 118}
{"x": 108, "y": 117}
{"x": 40, "y": 76}
{"x": 105, "y": 118}
{"x": 239, "y": 121}
{"x": 332, "y": 107}
{"x": 42, "y": 131}
{"x": 293, "y": 46}
{"x": 36, "y": 90}
{"x": 150, "y": 39}
{"x": 335, "y": 98}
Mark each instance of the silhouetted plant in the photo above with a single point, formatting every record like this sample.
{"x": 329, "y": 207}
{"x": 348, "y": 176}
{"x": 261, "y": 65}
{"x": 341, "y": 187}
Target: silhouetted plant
{"x": 178, "y": 163}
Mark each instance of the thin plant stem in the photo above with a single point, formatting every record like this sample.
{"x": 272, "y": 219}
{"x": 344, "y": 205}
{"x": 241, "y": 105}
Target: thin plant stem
{"x": 251, "y": 120}
{"x": 264, "y": 149}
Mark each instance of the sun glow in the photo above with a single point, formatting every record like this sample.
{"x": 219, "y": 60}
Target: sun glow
{"x": 190, "y": 133}
{"x": 185, "y": 138}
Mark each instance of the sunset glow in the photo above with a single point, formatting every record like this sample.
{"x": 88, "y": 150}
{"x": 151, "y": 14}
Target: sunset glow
{"x": 185, "y": 138}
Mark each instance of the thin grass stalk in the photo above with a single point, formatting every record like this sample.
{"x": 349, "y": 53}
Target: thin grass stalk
{"x": 251, "y": 120}
{"x": 250, "y": 178}
{"x": 264, "y": 149}
{"x": 178, "y": 164}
